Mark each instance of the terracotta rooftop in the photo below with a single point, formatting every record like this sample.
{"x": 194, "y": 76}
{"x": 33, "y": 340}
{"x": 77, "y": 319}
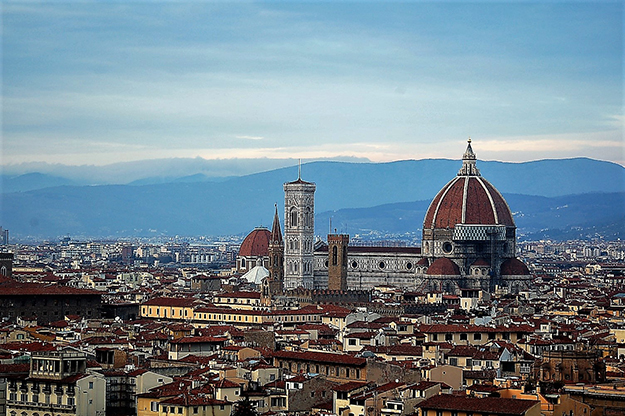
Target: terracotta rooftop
{"x": 489, "y": 405}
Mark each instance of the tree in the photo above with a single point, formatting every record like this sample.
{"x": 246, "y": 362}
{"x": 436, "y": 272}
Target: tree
{"x": 244, "y": 407}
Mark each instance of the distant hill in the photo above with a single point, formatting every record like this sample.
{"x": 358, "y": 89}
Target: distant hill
{"x": 31, "y": 181}
{"x": 237, "y": 205}
{"x": 560, "y": 218}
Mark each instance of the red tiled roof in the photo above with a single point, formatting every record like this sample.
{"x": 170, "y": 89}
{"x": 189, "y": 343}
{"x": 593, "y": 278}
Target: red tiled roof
{"x": 10, "y": 287}
{"x": 245, "y": 295}
{"x": 174, "y": 302}
{"x": 490, "y": 405}
{"x": 198, "y": 340}
{"x": 350, "y": 386}
{"x": 321, "y": 357}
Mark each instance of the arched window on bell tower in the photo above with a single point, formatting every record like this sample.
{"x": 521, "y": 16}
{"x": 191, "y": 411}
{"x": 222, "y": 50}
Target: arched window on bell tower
{"x": 293, "y": 217}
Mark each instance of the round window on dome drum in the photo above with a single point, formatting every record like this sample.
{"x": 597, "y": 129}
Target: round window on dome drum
{"x": 447, "y": 247}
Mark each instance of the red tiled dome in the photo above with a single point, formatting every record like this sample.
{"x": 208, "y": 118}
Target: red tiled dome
{"x": 422, "y": 262}
{"x": 514, "y": 267}
{"x": 443, "y": 267}
{"x": 256, "y": 243}
{"x": 468, "y": 200}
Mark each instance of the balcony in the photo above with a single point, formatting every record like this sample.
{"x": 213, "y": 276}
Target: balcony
{"x": 16, "y": 404}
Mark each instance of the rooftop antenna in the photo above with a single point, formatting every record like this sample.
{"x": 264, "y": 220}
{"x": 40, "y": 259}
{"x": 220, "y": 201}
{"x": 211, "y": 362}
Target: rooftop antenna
{"x": 299, "y": 169}
{"x": 330, "y": 228}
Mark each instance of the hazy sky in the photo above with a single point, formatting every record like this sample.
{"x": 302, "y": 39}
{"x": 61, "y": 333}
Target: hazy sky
{"x": 97, "y": 83}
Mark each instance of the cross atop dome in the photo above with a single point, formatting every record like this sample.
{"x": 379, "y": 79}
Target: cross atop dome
{"x": 468, "y": 162}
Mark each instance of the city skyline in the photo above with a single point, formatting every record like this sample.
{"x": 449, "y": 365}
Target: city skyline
{"x": 87, "y": 83}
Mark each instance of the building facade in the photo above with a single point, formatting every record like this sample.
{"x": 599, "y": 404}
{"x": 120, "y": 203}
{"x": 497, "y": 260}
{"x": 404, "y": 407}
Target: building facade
{"x": 58, "y": 384}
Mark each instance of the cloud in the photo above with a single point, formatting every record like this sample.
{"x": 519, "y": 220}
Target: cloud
{"x": 250, "y": 137}
{"x": 314, "y": 79}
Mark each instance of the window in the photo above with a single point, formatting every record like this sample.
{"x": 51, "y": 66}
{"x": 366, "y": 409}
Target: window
{"x": 90, "y": 385}
{"x": 477, "y": 337}
{"x": 293, "y": 215}
{"x": 153, "y": 406}
{"x": 70, "y": 401}
{"x": 463, "y": 337}
{"x": 180, "y": 410}
{"x": 195, "y": 410}
{"x": 351, "y": 341}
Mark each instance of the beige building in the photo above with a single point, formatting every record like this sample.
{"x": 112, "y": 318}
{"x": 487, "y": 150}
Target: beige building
{"x": 59, "y": 385}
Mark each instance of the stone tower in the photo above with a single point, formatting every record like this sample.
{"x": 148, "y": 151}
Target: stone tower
{"x": 337, "y": 261}
{"x": 276, "y": 257}
{"x": 6, "y": 265}
{"x": 299, "y": 233}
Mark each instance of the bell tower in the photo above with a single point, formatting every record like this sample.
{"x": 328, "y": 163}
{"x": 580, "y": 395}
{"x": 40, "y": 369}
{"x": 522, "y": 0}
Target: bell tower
{"x": 299, "y": 233}
{"x": 276, "y": 258}
{"x": 337, "y": 261}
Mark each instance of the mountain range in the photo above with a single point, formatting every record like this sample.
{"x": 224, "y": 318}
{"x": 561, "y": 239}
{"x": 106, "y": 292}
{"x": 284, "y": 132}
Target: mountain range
{"x": 549, "y": 198}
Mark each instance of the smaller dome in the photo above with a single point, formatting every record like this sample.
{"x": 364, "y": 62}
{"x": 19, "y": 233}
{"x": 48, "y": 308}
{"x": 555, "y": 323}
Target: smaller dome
{"x": 422, "y": 262}
{"x": 256, "y": 243}
{"x": 480, "y": 263}
{"x": 443, "y": 267}
{"x": 514, "y": 267}
{"x": 256, "y": 275}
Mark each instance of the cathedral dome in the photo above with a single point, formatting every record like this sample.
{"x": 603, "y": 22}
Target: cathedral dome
{"x": 514, "y": 267}
{"x": 443, "y": 267}
{"x": 468, "y": 199}
{"x": 256, "y": 243}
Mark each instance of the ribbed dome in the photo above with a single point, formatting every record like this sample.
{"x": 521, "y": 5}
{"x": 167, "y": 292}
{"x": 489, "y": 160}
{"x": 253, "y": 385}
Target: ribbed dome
{"x": 256, "y": 243}
{"x": 256, "y": 275}
{"x": 514, "y": 267}
{"x": 443, "y": 267}
{"x": 468, "y": 199}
